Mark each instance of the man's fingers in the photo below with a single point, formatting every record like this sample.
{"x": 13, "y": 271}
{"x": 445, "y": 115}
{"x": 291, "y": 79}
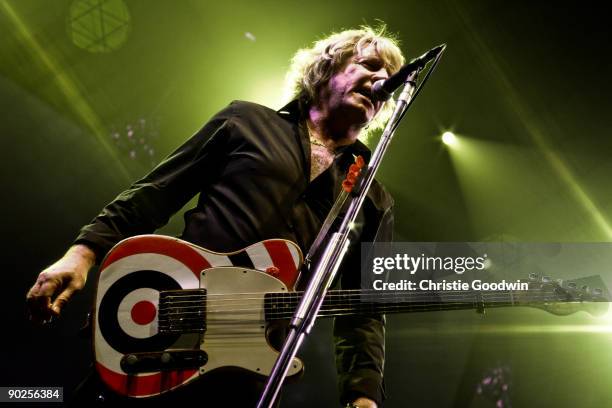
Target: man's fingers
{"x": 39, "y": 298}
{"x": 56, "y": 285}
{"x": 39, "y": 308}
{"x": 61, "y": 300}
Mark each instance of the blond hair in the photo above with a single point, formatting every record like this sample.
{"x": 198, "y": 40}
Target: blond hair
{"x": 311, "y": 68}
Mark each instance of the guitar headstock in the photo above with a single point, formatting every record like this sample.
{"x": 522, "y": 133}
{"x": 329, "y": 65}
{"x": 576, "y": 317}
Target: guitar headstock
{"x": 564, "y": 297}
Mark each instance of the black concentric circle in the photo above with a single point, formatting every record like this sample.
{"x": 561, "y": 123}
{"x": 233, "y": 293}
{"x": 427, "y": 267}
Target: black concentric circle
{"x": 108, "y": 319}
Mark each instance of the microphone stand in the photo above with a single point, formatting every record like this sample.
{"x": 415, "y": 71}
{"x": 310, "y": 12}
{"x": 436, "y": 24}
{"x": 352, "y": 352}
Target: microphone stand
{"x": 327, "y": 264}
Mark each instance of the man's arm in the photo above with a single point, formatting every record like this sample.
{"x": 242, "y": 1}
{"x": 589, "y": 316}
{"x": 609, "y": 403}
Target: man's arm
{"x": 360, "y": 355}
{"x": 149, "y": 203}
{"x": 142, "y": 208}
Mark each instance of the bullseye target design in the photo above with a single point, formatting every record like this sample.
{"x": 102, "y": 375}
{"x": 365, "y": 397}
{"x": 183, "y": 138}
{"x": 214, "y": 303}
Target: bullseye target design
{"x": 142, "y": 309}
{"x": 131, "y": 278}
{"x": 126, "y": 310}
{"x": 119, "y": 305}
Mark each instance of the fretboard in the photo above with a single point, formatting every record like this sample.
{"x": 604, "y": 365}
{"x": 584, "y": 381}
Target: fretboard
{"x": 352, "y": 302}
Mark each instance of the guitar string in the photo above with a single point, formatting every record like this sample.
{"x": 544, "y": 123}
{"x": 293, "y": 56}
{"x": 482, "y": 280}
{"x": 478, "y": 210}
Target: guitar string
{"x": 280, "y": 303}
{"x": 200, "y": 291}
{"x": 271, "y": 307}
{"x": 342, "y": 312}
{"x": 292, "y": 298}
{"x": 343, "y": 292}
{"x": 242, "y": 306}
{"x": 376, "y": 296}
{"x": 288, "y": 311}
{"x": 293, "y": 302}
{"x": 225, "y": 298}
{"x": 233, "y": 322}
{"x": 372, "y": 307}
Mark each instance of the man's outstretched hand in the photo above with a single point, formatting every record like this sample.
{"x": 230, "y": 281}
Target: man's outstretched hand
{"x": 57, "y": 283}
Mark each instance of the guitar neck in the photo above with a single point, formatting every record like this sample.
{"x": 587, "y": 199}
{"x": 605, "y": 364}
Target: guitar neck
{"x": 185, "y": 310}
{"x": 360, "y": 302}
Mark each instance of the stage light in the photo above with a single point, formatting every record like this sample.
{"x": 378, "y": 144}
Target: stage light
{"x": 449, "y": 139}
{"x": 99, "y": 25}
{"x": 69, "y": 88}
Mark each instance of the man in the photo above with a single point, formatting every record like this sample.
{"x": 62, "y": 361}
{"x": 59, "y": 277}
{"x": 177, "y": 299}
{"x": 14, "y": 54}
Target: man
{"x": 263, "y": 174}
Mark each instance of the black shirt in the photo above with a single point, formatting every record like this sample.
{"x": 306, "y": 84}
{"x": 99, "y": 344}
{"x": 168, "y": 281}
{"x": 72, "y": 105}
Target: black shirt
{"x": 251, "y": 168}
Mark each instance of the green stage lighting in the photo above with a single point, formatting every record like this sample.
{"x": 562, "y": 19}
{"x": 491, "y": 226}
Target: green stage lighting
{"x": 449, "y": 139}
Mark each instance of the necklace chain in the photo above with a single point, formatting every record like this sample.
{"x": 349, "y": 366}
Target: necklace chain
{"x": 315, "y": 141}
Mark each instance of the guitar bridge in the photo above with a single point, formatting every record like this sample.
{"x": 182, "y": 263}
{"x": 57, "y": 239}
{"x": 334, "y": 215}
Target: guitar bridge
{"x": 182, "y": 311}
{"x": 135, "y": 363}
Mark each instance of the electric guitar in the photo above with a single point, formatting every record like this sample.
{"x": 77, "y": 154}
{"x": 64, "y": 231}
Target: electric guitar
{"x": 168, "y": 312}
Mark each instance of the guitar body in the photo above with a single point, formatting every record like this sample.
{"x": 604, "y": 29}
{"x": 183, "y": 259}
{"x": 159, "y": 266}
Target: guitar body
{"x": 139, "y": 353}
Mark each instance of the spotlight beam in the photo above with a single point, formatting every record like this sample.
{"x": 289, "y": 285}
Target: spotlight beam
{"x": 530, "y": 123}
{"x": 68, "y": 87}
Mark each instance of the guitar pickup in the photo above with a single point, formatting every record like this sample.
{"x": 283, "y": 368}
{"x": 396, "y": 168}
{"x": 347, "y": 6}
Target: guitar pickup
{"x": 135, "y": 363}
{"x": 182, "y": 311}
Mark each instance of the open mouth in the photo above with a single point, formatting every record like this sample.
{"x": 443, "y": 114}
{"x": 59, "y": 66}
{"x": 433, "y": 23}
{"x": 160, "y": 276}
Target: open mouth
{"x": 366, "y": 94}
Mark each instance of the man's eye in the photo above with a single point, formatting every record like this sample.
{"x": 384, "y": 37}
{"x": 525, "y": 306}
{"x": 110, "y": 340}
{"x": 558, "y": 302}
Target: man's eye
{"x": 367, "y": 64}
{"x": 371, "y": 65}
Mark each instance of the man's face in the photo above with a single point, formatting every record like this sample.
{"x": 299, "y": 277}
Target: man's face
{"x": 348, "y": 92}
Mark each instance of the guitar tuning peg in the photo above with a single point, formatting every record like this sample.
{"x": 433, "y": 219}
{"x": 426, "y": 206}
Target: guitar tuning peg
{"x": 585, "y": 288}
{"x": 546, "y": 279}
{"x": 533, "y": 276}
{"x": 571, "y": 285}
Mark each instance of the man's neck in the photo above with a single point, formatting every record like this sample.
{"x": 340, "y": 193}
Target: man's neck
{"x": 333, "y": 130}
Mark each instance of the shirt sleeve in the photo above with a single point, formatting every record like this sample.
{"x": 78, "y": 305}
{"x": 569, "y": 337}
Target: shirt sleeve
{"x": 360, "y": 340}
{"x": 149, "y": 203}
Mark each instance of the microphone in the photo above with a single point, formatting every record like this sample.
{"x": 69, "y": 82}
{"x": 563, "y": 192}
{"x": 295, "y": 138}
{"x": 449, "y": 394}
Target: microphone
{"x": 383, "y": 89}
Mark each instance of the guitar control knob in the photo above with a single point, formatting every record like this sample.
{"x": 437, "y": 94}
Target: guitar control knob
{"x": 131, "y": 359}
{"x": 166, "y": 358}
{"x": 273, "y": 270}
